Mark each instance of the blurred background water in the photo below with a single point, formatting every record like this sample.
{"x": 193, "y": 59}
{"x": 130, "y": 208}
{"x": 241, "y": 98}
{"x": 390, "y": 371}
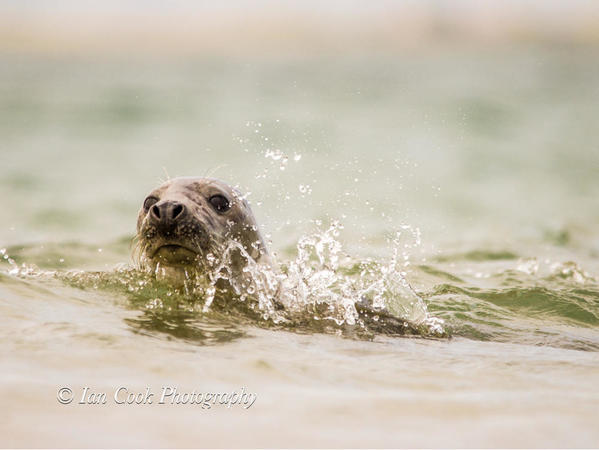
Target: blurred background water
{"x": 474, "y": 125}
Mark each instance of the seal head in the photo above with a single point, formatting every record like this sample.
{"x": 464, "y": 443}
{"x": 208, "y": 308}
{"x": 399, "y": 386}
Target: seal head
{"x": 188, "y": 222}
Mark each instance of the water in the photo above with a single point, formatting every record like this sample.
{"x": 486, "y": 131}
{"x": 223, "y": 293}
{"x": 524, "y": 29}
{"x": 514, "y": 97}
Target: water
{"x": 457, "y": 186}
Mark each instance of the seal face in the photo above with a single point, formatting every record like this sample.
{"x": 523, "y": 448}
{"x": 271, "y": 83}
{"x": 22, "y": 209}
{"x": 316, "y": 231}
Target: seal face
{"x": 187, "y": 222}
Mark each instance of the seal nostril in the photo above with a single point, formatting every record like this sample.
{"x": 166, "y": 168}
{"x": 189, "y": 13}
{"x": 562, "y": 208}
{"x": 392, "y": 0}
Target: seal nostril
{"x": 177, "y": 211}
{"x": 155, "y": 211}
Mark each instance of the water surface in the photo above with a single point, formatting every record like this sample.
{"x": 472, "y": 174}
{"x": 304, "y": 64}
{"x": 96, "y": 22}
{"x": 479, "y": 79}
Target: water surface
{"x": 461, "y": 187}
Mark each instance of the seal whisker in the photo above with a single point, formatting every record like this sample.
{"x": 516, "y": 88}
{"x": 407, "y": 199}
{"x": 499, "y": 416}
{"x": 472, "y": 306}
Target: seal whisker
{"x": 211, "y": 172}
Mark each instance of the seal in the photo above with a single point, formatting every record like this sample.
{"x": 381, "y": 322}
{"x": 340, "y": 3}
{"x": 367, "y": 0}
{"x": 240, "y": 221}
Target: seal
{"x": 187, "y": 224}
{"x": 202, "y": 226}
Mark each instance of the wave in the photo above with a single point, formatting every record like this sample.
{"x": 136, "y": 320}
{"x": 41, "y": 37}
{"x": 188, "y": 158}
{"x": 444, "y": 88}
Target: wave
{"x": 323, "y": 289}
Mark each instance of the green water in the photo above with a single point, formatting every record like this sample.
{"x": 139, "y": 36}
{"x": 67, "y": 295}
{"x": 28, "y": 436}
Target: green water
{"x": 485, "y": 162}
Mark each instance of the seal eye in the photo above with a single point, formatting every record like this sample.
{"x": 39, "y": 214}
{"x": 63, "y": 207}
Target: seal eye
{"x": 220, "y": 203}
{"x": 148, "y": 202}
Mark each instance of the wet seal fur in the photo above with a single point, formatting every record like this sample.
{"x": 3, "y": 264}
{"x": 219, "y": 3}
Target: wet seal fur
{"x": 186, "y": 224}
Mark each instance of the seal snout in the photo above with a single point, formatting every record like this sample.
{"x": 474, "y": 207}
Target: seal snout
{"x": 166, "y": 214}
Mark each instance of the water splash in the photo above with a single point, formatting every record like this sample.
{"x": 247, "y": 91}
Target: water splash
{"x": 569, "y": 270}
{"x": 15, "y": 269}
{"x": 324, "y": 284}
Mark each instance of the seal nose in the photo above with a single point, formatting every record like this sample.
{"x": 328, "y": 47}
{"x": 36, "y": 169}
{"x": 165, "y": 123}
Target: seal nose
{"x": 167, "y": 212}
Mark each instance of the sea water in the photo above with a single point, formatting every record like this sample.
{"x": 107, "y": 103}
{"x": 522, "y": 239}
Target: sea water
{"x": 458, "y": 188}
